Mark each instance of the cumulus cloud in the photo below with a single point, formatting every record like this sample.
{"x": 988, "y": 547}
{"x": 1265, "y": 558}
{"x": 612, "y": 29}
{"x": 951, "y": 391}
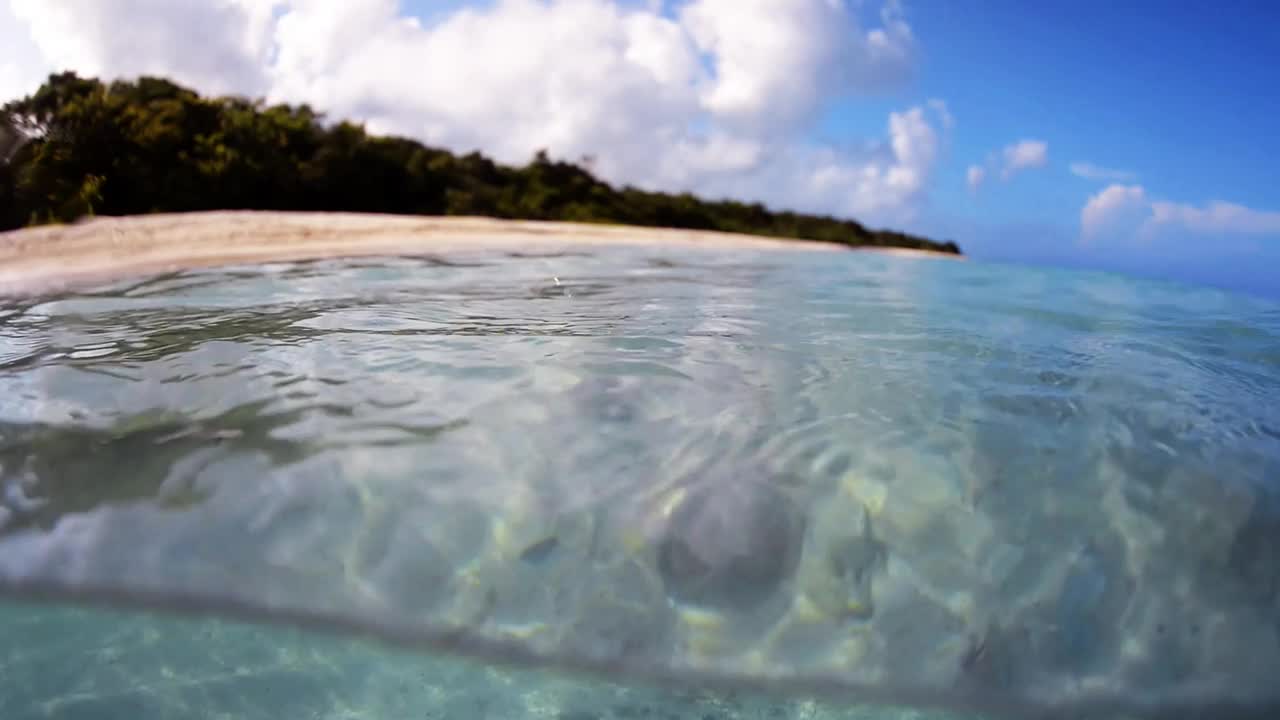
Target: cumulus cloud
{"x": 1128, "y": 210}
{"x": 574, "y": 77}
{"x": 21, "y": 64}
{"x": 1089, "y": 171}
{"x": 883, "y": 183}
{"x": 1023, "y": 155}
{"x": 1118, "y": 208}
{"x": 1011, "y": 160}
{"x": 218, "y": 45}
{"x": 776, "y": 60}
{"x": 704, "y": 95}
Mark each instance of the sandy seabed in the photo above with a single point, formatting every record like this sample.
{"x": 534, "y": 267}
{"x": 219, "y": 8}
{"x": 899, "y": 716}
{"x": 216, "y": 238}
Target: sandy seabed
{"x": 100, "y": 249}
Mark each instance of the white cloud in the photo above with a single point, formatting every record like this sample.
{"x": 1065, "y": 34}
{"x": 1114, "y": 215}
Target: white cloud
{"x": 575, "y": 77}
{"x": 21, "y": 66}
{"x": 944, "y": 114}
{"x": 1128, "y": 211}
{"x": 1011, "y": 160}
{"x": 1217, "y": 217}
{"x": 710, "y": 96}
{"x": 882, "y": 184}
{"x": 974, "y": 177}
{"x": 1118, "y": 208}
{"x": 1023, "y": 155}
{"x": 218, "y": 45}
{"x": 775, "y": 61}
{"x": 1089, "y": 171}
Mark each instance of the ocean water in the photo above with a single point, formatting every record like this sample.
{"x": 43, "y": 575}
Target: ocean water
{"x": 639, "y": 483}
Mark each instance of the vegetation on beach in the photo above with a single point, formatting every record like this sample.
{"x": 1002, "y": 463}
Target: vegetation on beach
{"x": 79, "y": 147}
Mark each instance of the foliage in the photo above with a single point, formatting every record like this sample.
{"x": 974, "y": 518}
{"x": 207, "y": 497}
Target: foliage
{"x": 78, "y": 146}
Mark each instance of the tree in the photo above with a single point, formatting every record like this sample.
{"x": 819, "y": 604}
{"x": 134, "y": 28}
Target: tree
{"x": 77, "y": 147}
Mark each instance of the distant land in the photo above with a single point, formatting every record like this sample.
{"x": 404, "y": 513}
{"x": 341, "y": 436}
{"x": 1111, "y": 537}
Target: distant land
{"x": 80, "y": 147}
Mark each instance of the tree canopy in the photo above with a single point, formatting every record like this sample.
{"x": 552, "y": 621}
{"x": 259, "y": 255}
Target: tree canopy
{"x": 79, "y": 146}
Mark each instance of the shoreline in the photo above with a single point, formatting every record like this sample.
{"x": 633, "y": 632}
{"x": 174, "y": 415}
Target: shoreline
{"x": 55, "y": 257}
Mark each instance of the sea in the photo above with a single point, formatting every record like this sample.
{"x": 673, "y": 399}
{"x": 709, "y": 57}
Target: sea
{"x": 638, "y": 483}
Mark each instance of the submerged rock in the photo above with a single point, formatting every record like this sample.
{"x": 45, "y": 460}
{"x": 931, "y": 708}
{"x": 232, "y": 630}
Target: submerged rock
{"x": 729, "y": 545}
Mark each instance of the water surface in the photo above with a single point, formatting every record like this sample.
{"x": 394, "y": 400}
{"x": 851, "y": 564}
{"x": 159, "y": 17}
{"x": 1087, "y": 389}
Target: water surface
{"x": 925, "y": 483}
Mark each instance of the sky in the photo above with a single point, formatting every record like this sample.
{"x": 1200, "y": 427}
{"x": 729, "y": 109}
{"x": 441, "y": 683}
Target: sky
{"x": 1137, "y": 137}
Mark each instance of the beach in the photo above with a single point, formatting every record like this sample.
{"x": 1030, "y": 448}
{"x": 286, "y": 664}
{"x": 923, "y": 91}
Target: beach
{"x": 105, "y": 248}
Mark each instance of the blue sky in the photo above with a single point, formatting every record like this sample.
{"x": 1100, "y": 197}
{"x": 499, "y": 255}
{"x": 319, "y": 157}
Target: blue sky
{"x": 1169, "y": 108}
{"x": 1182, "y": 96}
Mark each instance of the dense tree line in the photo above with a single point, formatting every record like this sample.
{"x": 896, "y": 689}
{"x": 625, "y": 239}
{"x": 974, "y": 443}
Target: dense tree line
{"x": 79, "y": 146}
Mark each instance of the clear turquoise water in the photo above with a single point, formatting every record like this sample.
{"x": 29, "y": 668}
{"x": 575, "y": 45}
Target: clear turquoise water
{"x": 838, "y": 478}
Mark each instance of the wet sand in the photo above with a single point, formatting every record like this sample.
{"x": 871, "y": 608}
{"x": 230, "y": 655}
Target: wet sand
{"x": 101, "y": 249}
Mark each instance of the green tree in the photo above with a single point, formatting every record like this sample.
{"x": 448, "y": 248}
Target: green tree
{"x": 78, "y": 147}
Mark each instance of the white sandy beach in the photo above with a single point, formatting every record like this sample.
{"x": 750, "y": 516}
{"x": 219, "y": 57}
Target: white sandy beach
{"x": 101, "y": 249}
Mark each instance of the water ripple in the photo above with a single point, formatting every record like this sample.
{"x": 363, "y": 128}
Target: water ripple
{"x": 959, "y": 477}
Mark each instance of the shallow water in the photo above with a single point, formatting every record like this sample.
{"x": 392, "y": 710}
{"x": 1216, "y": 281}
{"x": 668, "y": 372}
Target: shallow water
{"x": 850, "y": 477}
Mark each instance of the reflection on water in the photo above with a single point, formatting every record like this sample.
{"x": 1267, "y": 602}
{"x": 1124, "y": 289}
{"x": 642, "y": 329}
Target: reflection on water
{"x": 926, "y": 483}
{"x": 150, "y": 457}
